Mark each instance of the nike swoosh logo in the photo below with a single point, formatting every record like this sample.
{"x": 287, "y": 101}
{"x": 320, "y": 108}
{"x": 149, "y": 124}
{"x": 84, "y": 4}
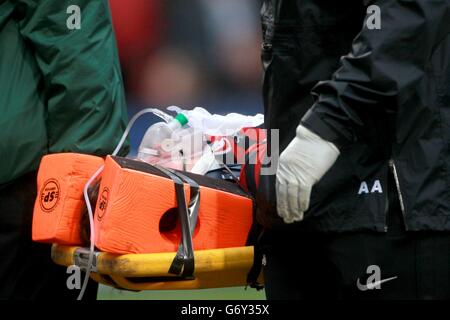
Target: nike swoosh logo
{"x": 370, "y": 286}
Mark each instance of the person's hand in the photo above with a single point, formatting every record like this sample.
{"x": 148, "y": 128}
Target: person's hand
{"x": 303, "y": 163}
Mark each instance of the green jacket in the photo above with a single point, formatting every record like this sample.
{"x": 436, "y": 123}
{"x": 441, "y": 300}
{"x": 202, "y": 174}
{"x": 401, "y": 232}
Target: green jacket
{"x": 61, "y": 90}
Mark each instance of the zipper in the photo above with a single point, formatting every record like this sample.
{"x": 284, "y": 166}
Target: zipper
{"x": 386, "y": 208}
{"x": 399, "y": 191}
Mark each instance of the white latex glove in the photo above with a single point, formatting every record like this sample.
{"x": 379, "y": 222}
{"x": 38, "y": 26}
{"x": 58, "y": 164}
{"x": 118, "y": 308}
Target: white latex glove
{"x": 303, "y": 163}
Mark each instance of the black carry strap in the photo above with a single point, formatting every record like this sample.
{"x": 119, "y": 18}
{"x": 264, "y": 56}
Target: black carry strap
{"x": 256, "y": 230}
{"x": 187, "y": 228}
{"x": 254, "y": 237}
{"x": 183, "y": 264}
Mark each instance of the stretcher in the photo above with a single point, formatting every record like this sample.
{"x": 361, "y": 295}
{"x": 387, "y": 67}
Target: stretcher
{"x": 156, "y": 229}
{"x": 214, "y": 268}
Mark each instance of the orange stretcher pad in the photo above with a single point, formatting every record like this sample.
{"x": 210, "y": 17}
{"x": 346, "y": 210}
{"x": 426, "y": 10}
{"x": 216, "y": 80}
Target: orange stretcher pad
{"x": 59, "y": 203}
{"x": 137, "y": 211}
{"x": 136, "y": 207}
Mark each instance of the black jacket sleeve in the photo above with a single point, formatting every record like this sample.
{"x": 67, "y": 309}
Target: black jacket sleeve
{"x": 383, "y": 69}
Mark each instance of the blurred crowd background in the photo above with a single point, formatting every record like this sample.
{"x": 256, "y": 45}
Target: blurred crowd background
{"x": 189, "y": 53}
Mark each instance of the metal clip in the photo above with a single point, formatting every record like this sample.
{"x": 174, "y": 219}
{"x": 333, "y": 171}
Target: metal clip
{"x": 81, "y": 258}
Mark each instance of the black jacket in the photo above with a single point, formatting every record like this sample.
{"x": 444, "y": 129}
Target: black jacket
{"x": 381, "y": 95}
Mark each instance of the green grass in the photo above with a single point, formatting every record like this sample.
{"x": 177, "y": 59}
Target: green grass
{"x": 235, "y": 293}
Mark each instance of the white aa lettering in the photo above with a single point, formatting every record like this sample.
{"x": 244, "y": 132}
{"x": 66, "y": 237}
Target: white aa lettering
{"x": 377, "y": 187}
{"x": 363, "y": 188}
{"x": 74, "y": 280}
{"x": 374, "y": 280}
{"x": 374, "y": 19}
{"x": 74, "y": 20}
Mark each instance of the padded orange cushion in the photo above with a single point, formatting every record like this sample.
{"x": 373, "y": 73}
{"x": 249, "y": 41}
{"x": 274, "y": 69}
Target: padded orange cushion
{"x": 60, "y": 201}
{"x": 133, "y": 199}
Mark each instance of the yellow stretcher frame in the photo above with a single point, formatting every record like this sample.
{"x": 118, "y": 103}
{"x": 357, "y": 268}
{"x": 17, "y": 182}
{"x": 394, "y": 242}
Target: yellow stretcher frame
{"x": 215, "y": 268}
